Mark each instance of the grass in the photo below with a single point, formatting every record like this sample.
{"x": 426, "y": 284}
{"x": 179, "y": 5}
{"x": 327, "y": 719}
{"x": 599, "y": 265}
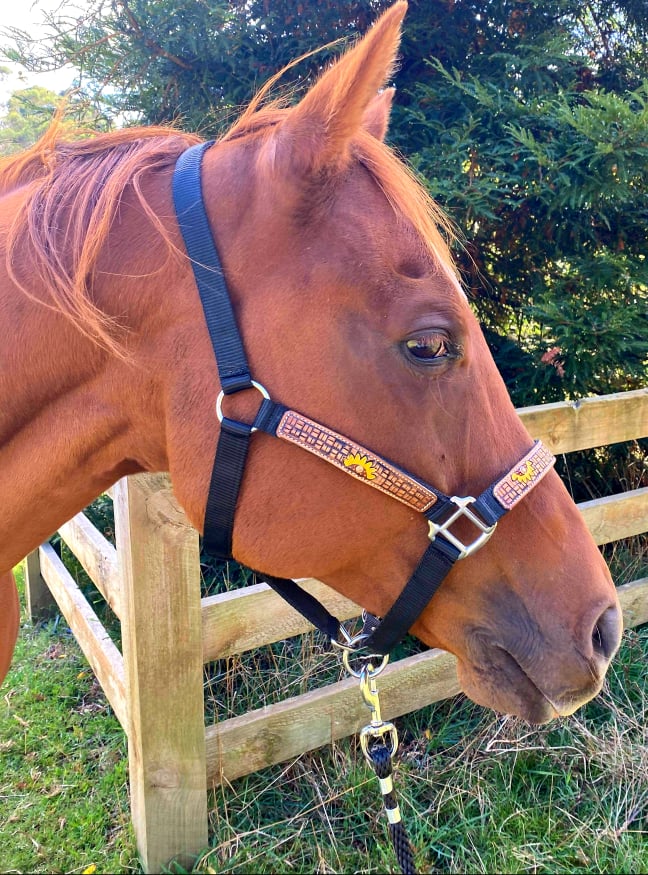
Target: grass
{"x": 479, "y": 793}
{"x": 63, "y": 765}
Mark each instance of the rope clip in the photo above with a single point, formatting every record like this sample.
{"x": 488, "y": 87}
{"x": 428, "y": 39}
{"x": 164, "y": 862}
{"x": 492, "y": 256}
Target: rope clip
{"x": 377, "y": 729}
{"x": 379, "y": 739}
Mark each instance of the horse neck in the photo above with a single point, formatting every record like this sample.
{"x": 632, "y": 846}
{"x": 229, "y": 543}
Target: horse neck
{"x": 73, "y": 419}
{"x": 64, "y": 436}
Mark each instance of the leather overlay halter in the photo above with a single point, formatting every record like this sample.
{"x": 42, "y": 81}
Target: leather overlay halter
{"x": 344, "y": 453}
{"x": 515, "y": 485}
{"x": 352, "y": 458}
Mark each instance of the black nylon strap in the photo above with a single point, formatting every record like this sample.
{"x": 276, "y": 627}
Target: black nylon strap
{"x": 226, "y": 478}
{"x": 268, "y": 416}
{"x": 489, "y": 507}
{"x": 233, "y": 367}
{"x": 435, "y": 564}
{"x": 305, "y": 603}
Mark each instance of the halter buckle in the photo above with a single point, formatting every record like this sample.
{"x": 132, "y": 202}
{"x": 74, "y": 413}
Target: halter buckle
{"x": 463, "y": 509}
{"x": 352, "y": 647}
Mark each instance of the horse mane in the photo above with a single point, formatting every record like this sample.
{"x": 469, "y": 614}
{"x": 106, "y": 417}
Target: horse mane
{"x": 76, "y": 190}
{"x": 77, "y": 187}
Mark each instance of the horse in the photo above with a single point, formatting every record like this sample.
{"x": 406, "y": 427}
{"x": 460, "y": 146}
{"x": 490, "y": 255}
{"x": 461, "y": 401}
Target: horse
{"x": 351, "y": 308}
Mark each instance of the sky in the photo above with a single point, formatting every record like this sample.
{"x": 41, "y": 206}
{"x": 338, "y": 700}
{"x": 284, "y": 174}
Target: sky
{"x": 28, "y": 15}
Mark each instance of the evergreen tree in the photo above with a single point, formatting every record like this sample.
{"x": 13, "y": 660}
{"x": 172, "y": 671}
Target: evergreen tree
{"x": 27, "y": 116}
{"x": 529, "y": 122}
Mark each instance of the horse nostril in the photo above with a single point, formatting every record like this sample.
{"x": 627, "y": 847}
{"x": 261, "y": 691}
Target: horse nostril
{"x": 606, "y": 634}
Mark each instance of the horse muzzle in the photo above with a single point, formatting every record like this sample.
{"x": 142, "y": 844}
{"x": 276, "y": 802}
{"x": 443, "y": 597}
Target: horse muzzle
{"x": 535, "y": 675}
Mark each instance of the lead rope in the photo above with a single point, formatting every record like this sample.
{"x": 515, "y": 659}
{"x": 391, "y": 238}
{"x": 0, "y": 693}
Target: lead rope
{"x": 379, "y": 743}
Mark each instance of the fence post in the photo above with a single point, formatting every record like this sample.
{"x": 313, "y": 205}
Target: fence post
{"x": 162, "y": 647}
{"x": 40, "y": 601}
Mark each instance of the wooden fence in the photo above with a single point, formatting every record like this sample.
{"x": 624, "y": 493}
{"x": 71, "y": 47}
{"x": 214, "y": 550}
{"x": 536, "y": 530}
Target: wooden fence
{"x": 155, "y": 686}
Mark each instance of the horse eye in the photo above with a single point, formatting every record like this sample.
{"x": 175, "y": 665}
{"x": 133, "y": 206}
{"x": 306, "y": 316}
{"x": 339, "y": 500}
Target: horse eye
{"x": 427, "y": 347}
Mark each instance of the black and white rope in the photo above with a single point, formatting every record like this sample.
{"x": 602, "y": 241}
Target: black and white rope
{"x": 379, "y": 755}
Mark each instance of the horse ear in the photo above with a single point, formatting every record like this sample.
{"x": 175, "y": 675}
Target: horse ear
{"x": 376, "y": 115}
{"x": 320, "y": 128}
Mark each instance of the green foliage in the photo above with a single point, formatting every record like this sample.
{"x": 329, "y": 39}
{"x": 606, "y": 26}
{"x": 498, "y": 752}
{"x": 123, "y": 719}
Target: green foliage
{"x": 528, "y": 122}
{"x": 28, "y": 114}
{"x": 186, "y": 61}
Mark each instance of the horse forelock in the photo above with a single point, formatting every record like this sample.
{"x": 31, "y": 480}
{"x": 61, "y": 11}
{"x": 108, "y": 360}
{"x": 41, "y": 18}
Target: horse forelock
{"x": 404, "y": 192}
{"x": 409, "y": 200}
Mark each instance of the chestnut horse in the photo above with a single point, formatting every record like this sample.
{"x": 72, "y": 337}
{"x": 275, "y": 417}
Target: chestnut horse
{"x": 350, "y": 308}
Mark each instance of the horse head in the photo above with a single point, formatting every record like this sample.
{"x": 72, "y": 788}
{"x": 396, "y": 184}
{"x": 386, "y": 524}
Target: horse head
{"x": 352, "y": 312}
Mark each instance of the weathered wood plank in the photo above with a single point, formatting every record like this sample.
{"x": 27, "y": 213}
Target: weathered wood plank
{"x": 162, "y": 643}
{"x": 271, "y": 735}
{"x": 237, "y": 621}
{"x": 616, "y": 516}
{"x": 97, "y": 556}
{"x": 634, "y": 601}
{"x": 100, "y": 651}
{"x": 591, "y": 422}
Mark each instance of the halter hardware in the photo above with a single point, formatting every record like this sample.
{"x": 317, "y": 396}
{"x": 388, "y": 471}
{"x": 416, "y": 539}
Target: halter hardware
{"x": 463, "y": 510}
{"x": 354, "y": 650}
{"x": 378, "y": 729}
{"x": 222, "y": 393}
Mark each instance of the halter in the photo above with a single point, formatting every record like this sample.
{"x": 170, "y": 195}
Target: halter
{"x": 354, "y": 459}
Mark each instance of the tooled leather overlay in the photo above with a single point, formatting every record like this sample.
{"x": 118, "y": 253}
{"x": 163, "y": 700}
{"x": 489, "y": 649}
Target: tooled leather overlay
{"x": 526, "y": 474}
{"x": 354, "y": 459}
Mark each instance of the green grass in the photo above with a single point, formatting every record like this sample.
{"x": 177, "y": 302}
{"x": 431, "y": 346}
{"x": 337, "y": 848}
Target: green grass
{"x": 63, "y": 763}
{"x": 479, "y": 793}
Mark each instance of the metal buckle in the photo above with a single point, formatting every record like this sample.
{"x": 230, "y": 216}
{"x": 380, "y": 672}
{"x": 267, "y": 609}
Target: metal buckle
{"x": 221, "y": 395}
{"x": 462, "y": 510}
{"x": 350, "y": 643}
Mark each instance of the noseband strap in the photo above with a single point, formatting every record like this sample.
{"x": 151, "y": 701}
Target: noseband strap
{"x": 440, "y": 510}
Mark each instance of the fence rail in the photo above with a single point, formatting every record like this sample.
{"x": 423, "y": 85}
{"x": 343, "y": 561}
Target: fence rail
{"x": 152, "y": 583}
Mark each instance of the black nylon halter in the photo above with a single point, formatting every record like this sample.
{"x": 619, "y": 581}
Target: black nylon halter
{"x": 234, "y": 441}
